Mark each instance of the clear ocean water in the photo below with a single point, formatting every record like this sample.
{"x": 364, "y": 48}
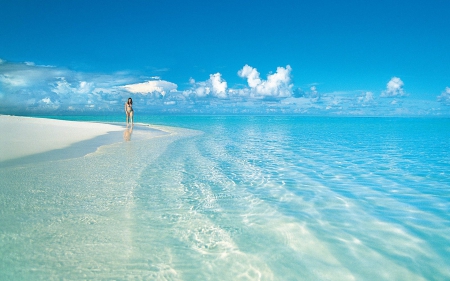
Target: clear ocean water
{"x": 237, "y": 198}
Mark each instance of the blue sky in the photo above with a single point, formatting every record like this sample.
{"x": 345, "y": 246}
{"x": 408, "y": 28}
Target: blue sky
{"x": 357, "y": 58}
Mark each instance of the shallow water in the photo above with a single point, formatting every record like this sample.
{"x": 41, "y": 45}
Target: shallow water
{"x": 237, "y": 198}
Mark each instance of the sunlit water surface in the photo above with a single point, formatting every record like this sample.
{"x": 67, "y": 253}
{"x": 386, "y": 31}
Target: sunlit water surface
{"x": 237, "y": 198}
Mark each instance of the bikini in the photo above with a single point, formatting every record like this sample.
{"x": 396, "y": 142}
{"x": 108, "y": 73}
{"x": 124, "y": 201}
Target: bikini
{"x": 129, "y": 108}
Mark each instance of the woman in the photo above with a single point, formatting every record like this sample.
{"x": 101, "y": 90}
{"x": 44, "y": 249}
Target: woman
{"x": 129, "y": 110}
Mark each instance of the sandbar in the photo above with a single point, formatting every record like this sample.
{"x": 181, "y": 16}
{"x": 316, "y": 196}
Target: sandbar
{"x": 22, "y": 137}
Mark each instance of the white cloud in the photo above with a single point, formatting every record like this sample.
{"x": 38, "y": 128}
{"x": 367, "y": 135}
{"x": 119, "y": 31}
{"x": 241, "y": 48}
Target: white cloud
{"x": 13, "y": 81}
{"x": 46, "y": 100}
{"x": 219, "y": 86}
{"x": 277, "y": 85}
{"x": 201, "y": 90}
{"x": 366, "y": 98}
{"x": 62, "y": 87}
{"x": 85, "y": 87}
{"x": 314, "y": 93}
{"x": 251, "y": 74}
{"x": 445, "y": 96}
{"x": 26, "y": 87}
{"x": 214, "y": 86}
{"x": 159, "y": 86}
{"x": 394, "y": 88}
{"x": 23, "y": 75}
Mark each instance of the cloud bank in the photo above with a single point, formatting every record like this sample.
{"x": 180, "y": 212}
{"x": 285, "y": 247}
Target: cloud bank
{"x": 27, "y": 88}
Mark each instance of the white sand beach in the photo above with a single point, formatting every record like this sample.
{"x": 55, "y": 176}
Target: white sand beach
{"x": 24, "y": 136}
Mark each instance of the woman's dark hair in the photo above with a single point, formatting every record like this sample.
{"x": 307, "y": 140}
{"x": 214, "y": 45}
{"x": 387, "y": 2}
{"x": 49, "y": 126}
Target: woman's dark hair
{"x": 130, "y": 100}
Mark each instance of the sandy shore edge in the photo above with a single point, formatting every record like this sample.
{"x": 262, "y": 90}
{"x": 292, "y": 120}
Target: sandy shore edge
{"x": 26, "y": 136}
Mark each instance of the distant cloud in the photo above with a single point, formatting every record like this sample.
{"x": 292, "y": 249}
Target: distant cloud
{"x": 251, "y": 74}
{"x": 31, "y": 88}
{"x": 27, "y": 87}
{"x": 215, "y": 86}
{"x": 154, "y": 86}
{"x": 62, "y": 87}
{"x": 366, "y": 98}
{"x": 46, "y": 101}
{"x": 277, "y": 85}
{"x": 394, "y": 88}
{"x": 314, "y": 94}
{"x": 219, "y": 86}
{"x": 12, "y": 81}
{"x": 445, "y": 97}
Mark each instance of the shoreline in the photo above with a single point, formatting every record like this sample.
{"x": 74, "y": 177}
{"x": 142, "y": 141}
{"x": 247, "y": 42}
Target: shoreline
{"x": 31, "y": 139}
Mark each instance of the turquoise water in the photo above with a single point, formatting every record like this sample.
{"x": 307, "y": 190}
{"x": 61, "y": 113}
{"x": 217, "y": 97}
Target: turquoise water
{"x": 237, "y": 198}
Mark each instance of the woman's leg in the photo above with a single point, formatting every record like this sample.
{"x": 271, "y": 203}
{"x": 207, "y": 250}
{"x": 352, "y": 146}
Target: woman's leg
{"x": 131, "y": 117}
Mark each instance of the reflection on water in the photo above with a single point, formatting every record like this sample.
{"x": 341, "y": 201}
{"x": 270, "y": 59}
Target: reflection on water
{"x": 128, "y": 132}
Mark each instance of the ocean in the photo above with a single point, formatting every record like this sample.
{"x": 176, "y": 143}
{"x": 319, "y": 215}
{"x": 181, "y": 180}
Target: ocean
{"x": 236, "y": 198}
